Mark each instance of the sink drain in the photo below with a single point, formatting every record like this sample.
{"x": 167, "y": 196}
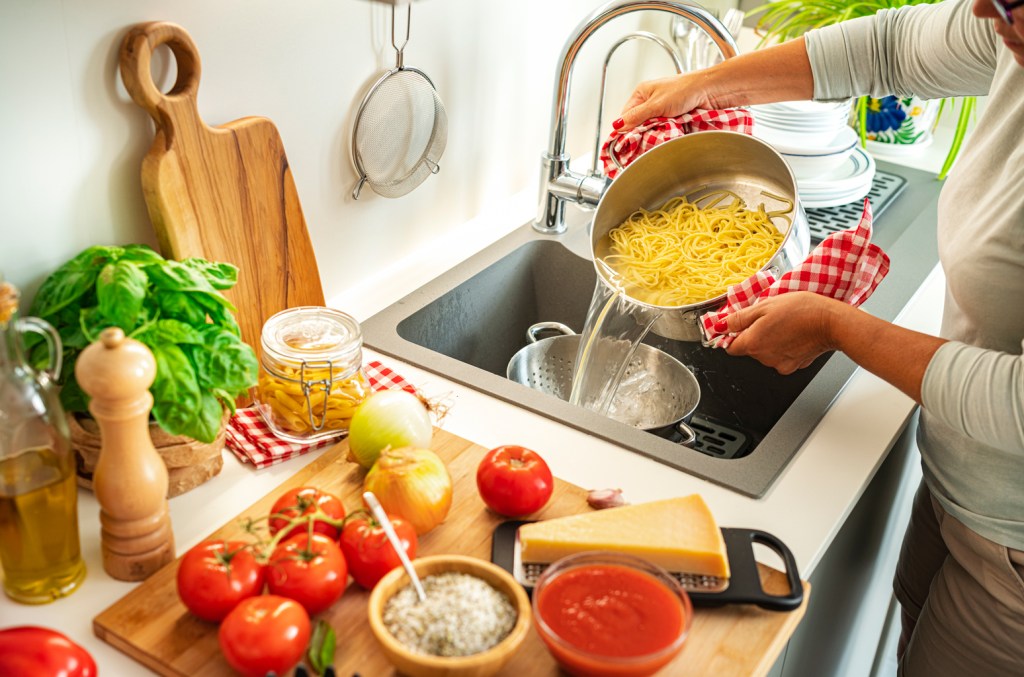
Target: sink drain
{"x": 718, "y": 440}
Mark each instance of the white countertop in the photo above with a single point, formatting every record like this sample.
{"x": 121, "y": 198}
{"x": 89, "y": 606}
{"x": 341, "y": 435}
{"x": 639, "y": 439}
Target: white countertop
{"x": 805, "y": 507}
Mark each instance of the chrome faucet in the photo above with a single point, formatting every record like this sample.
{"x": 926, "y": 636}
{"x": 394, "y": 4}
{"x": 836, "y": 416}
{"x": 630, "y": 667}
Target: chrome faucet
{"x": 559, "y": 184}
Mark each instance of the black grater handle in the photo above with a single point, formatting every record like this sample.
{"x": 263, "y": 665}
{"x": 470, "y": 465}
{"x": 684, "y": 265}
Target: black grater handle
{"x": 744, "y": 583}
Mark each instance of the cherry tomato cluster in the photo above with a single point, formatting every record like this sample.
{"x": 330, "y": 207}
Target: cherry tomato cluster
{"x": 313, "y": 548}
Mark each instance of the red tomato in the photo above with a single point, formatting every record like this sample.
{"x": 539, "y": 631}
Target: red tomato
{"x": 215, "y": 576}
{"x": 264, "y": 634}
{"x": 304, "y": 501}
{"x": 41, "y": 652}
{"x": 514, "y": 481}
{"x": 368, "y": 552}
{"x": 311, "y": 571}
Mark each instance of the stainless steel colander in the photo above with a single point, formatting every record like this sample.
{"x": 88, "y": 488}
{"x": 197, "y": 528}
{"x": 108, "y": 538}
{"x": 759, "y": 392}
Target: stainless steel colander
{"x": 401, "y": 127}
{"x": 658, "y": 393}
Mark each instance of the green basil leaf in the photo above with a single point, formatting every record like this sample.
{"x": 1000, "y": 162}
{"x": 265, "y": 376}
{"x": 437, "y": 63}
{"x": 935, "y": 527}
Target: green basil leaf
{"x": 220, "y": 275}
{"x": 208, "y": 418}
{"x": 321, "y": 647}
{"x": 72, "y": 280}
{"x": 176, "y": 276}
{"x": 72, "y": 397}
{"x": 92, "y": 321}
{"x": 120, "y": 290}
{"x": 176, "y": 394}
{"x": 223, "y": 361}
{"x": 141, "y": 254}
{"x": 180, "y": 306}
{"x": 227, "y": 400}
{"x": 170, "y": 331}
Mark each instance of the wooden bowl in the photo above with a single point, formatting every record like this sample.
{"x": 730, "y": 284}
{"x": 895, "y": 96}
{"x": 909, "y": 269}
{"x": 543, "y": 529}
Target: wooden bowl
{"x": 486, "y": 663}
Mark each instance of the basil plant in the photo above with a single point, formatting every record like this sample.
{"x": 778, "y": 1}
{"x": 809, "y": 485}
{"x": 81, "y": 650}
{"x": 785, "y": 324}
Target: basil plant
{"x": 175, "y": 308}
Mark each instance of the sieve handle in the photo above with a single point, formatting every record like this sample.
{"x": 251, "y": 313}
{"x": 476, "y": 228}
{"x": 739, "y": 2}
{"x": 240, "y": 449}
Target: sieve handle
{"x": 689, "y": 436}
{"x": 533, "y": 333}
{"x": 400, "y": 51}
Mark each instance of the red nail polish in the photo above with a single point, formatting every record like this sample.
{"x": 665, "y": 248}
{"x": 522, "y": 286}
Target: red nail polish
{"x": 721, "y": 326}
{"x": 618, "y": 124}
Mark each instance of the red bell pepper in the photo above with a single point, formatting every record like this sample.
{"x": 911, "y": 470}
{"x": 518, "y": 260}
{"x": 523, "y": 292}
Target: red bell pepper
{"x": 30, "y": 651}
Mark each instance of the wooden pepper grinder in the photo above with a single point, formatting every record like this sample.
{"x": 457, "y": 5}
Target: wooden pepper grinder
{"x": 130, "y": 480}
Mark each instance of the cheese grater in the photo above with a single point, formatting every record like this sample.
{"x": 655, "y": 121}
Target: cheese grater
{"x": 743, "y": 587}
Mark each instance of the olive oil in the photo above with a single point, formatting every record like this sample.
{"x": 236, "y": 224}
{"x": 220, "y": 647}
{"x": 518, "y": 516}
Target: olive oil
{"x": 39, "y": 547}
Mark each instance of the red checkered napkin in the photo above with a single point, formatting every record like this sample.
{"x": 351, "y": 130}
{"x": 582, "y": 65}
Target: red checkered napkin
{"x": 249, "y": 438}
{"x": 845, "y": 266}
{"x": 637, "y": 141}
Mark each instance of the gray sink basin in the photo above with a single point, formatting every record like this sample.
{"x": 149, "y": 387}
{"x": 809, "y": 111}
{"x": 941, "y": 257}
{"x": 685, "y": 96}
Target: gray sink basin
{"x": 469, "y": 322}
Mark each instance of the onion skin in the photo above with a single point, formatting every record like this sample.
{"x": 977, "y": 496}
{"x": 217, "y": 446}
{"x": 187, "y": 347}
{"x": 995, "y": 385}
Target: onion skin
{"x": 414, "y": 484}
{"x": 394, "y": 418}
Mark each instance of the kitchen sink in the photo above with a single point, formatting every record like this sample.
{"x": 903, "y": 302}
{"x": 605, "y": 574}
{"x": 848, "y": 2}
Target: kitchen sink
{"x": 468, "y": 323}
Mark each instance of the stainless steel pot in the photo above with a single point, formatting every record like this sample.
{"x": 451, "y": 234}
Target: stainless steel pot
{"x": 713, "y": 160}
{"x": 658, "y": 393}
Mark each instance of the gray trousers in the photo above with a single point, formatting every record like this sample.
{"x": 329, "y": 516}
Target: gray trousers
{"x": 962, "y": 598}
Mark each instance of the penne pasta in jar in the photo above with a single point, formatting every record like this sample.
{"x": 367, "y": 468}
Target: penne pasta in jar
{"x": 311, "y": 377}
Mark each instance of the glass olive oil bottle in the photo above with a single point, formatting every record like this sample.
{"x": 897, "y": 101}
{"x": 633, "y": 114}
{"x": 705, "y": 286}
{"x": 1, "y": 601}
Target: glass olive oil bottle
{"x": 39, "y": 547}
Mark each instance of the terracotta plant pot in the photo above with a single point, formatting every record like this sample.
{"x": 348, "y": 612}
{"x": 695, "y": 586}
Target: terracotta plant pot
{"x": 189, "y": 462}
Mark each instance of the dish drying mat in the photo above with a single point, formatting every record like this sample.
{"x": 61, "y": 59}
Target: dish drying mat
{"x": 824, "y": 221}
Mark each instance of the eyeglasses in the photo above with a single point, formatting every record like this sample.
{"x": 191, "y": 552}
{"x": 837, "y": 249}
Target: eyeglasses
{"x": 1005, "y": 7}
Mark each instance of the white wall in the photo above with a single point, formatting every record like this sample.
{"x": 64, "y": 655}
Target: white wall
{"x": 73, "y": 140}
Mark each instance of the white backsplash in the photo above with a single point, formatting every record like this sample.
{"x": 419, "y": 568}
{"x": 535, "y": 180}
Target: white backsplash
{"x": 73, "y": 140}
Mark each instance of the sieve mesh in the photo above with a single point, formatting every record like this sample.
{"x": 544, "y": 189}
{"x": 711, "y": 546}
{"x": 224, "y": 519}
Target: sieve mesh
{"x": 401, "y": 132}
{"x": 656, "y": 390}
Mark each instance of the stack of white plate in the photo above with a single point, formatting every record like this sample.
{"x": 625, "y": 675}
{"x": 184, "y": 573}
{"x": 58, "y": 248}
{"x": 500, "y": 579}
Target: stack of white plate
{"x": 848, "y": 182}
{"x": 820, "y": 147}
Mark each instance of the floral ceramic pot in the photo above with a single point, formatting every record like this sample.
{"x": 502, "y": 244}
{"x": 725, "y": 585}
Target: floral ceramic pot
{"x": 900, "y": 121}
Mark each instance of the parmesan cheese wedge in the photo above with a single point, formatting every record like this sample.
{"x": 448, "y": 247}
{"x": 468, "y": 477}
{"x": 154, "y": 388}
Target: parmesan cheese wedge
{"x": 677, "y": 534}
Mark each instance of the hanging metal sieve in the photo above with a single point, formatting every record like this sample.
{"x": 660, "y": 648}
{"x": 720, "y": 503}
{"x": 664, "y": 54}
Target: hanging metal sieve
{"x": 401, "y": 127}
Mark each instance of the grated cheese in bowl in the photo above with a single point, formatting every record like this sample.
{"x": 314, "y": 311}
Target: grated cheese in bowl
{"x": 461, "y": 616}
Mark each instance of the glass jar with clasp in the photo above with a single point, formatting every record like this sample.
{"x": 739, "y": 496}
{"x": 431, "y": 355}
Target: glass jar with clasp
{"x": 311, "y": 373}
{"x": 39, "y": 547}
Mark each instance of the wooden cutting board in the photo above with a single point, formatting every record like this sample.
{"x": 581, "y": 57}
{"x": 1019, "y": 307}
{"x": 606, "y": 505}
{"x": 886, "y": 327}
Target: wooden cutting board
{"x": 151, "y": 625}
{"x": 223, "y": 193}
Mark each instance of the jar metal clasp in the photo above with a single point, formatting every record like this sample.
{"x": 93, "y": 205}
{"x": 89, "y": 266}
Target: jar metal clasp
{"x": 309, "y": 386}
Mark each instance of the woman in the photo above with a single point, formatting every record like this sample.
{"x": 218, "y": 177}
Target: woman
{"x": 960, "y": 578}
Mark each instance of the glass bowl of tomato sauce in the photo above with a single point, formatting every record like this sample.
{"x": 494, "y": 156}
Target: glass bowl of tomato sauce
{"x": 605, "y": 614}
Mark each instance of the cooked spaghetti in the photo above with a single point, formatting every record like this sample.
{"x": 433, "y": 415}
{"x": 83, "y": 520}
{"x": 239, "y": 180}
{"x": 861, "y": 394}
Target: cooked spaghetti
{"x": 684, "y": 253}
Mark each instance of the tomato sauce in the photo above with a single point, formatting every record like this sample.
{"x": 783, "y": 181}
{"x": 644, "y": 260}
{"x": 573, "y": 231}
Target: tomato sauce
{"x": 611, "y": 611}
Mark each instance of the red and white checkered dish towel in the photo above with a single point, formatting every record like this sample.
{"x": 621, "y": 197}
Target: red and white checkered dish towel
{"x": 845, "y": 266}
{"x": 249, "y": 438}
{"x": 630, "y": 145}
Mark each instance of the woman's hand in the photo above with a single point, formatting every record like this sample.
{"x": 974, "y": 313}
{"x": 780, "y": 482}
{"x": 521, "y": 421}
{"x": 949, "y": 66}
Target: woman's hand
{"x": 779, "y": 73}
{"x": 787, "y": 332}
{"x": 666, "y": 97}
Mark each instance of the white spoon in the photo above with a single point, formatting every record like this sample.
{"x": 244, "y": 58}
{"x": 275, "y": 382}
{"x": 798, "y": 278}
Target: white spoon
{"x": 396, "y": 543}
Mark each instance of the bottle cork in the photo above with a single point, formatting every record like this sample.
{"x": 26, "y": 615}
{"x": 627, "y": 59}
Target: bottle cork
{"x": 130, "y": 479}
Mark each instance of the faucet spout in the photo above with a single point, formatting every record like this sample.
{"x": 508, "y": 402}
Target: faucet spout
{"x": 559, "y": 184}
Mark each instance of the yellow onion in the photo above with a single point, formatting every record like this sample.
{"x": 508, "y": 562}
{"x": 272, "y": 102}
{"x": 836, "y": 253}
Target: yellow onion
{"x": 413, "y": 483}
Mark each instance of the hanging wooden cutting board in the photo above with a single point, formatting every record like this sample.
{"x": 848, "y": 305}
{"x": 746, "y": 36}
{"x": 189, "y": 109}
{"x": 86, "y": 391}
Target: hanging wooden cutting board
{"x": 223, "y": 193}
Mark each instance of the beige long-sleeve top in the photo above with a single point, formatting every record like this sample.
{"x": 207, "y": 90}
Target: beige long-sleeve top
{"x": 972, "y": 424}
